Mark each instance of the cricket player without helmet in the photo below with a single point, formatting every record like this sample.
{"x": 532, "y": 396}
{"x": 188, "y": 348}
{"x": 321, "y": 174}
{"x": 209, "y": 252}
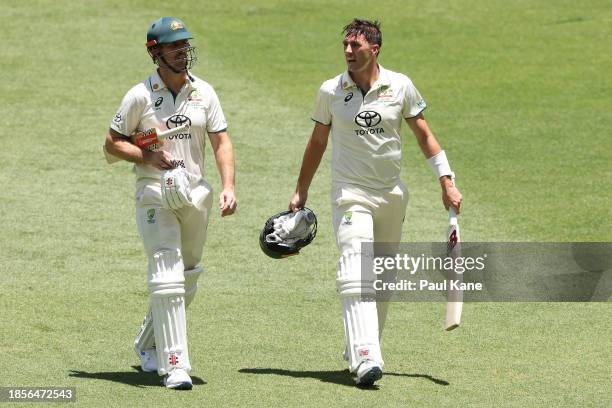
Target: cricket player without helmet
{"x": 363, "y": 109}
{"x": 173, "y": 199}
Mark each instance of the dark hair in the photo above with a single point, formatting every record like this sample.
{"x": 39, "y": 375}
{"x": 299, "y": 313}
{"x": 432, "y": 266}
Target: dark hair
{"x": 369, "y": 29}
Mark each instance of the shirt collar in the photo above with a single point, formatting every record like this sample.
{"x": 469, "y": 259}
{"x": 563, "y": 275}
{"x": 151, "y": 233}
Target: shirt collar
{"x": 157, "y": 84}
{"x": 347, "y": 82}
{"x": 383, "y": 80}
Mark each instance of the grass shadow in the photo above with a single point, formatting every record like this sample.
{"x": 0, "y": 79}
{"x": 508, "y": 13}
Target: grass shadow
{"x": 341, "y": 377}
{"x": 434, "y": 380}
{"x": 136, "y": 378}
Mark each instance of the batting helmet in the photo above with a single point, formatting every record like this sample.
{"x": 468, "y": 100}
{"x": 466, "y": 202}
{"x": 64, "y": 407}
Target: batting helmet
{"x": 167, "y": 30}
{"x": 285, "y": 233}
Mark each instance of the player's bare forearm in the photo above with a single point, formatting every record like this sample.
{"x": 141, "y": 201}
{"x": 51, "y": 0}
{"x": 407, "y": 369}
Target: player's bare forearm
{"x": 451, "y": 196}
{"x": 119, "y": 145}
{"x": 425, "y": 138}
{"x": 310, "y": 163}
{"x": 427, "y": 141}
{"x": 224, "y": 156}
{"x": 312, "y": 156}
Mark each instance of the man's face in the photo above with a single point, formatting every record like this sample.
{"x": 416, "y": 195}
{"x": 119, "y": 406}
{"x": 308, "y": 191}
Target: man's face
{"x": 175, "y": 53}
{"x": 359, "y": 54}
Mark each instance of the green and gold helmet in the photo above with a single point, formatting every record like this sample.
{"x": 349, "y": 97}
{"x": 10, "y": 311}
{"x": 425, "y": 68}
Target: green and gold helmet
{"x": 168, "y": 30}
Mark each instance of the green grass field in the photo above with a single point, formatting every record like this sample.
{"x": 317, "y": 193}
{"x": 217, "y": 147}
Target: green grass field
{"x": 518, "y": 95}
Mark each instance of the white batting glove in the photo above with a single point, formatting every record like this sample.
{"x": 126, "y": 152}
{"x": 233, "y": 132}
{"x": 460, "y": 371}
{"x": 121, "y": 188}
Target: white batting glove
{"x": 291, "y": 226}
{"x": 175, "y": 189}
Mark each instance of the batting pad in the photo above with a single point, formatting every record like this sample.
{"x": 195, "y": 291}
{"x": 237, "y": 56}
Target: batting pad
{"x": 145, "y": 339}
{"x": 360, "y": 316}
{"x": 191, "y": 283}
{"x": 383, "y": 299}
{"x": 167, "y": 289}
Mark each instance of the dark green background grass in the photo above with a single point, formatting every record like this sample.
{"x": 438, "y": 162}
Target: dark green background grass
{"x": 518, "y": 95}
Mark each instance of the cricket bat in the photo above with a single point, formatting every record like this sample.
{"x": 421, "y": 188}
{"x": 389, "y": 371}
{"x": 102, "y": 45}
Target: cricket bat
{"x": 148, "y": 140}
{"x": 454, "y": 298}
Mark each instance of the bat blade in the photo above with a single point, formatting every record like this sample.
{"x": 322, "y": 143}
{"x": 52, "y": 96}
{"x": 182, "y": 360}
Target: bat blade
{"x": 454, "y": 304}
{"x": 151, "y": 139}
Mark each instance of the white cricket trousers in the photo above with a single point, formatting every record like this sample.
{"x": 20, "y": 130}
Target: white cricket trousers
{"x": 160, "y": 228}
{"x": 358, "y": 216}
{"x": 173, "y": 242}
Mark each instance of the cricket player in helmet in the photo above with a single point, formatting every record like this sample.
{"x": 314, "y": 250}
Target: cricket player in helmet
{"x": 363, "y": 109}
{"x": 173, "y": 199}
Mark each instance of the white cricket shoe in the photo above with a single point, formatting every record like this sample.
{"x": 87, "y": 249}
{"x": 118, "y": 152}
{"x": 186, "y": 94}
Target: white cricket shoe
{"x": 178, "y": 379}
{"x": 368, "y": 373}
{"x": 148, "y": 360}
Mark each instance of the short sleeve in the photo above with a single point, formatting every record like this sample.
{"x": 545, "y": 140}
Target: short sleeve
{"x": 413, "y": 102}
{"x": 215, "y": 120}
{"x": 322, "y": 111}
{"x": 128, "y": 115}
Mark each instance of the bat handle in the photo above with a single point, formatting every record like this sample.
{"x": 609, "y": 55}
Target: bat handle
{"x": 452, "y": 216}
{"x": 162, "y": 135}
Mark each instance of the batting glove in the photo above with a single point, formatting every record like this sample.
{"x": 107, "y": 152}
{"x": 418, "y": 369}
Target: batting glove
{"x": 175, "y": 189}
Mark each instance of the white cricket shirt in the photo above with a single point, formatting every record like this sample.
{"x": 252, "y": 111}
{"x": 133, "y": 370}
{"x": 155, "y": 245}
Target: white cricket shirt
{"x": 151, "y": 104}
{"x": 365, "y": 130}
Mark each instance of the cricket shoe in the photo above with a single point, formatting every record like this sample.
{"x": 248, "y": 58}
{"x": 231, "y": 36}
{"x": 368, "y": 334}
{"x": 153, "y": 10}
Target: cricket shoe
{"x": 368, "y": 373}
{"x": 178, "y": 379}
{"x": 148, "y": 360}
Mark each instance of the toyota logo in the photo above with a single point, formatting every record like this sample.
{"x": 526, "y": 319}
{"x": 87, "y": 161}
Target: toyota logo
{"x": 367, "y": 118}
{"x": 175, "y": 121}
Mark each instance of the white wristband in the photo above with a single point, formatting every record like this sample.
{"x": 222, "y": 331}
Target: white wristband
{"x": 439, "y": 164}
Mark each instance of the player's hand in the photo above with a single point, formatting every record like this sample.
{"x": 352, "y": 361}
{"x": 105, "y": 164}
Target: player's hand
{"x": 451, "y": 196}
{"x": 160, "y": 159}
{"x": 298, "y": 200}
{"x": 227, "y": 202}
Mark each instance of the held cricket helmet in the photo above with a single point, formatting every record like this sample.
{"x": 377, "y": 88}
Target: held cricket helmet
{"x": 167, "y": 30}
{"x": 285, "y": 233}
